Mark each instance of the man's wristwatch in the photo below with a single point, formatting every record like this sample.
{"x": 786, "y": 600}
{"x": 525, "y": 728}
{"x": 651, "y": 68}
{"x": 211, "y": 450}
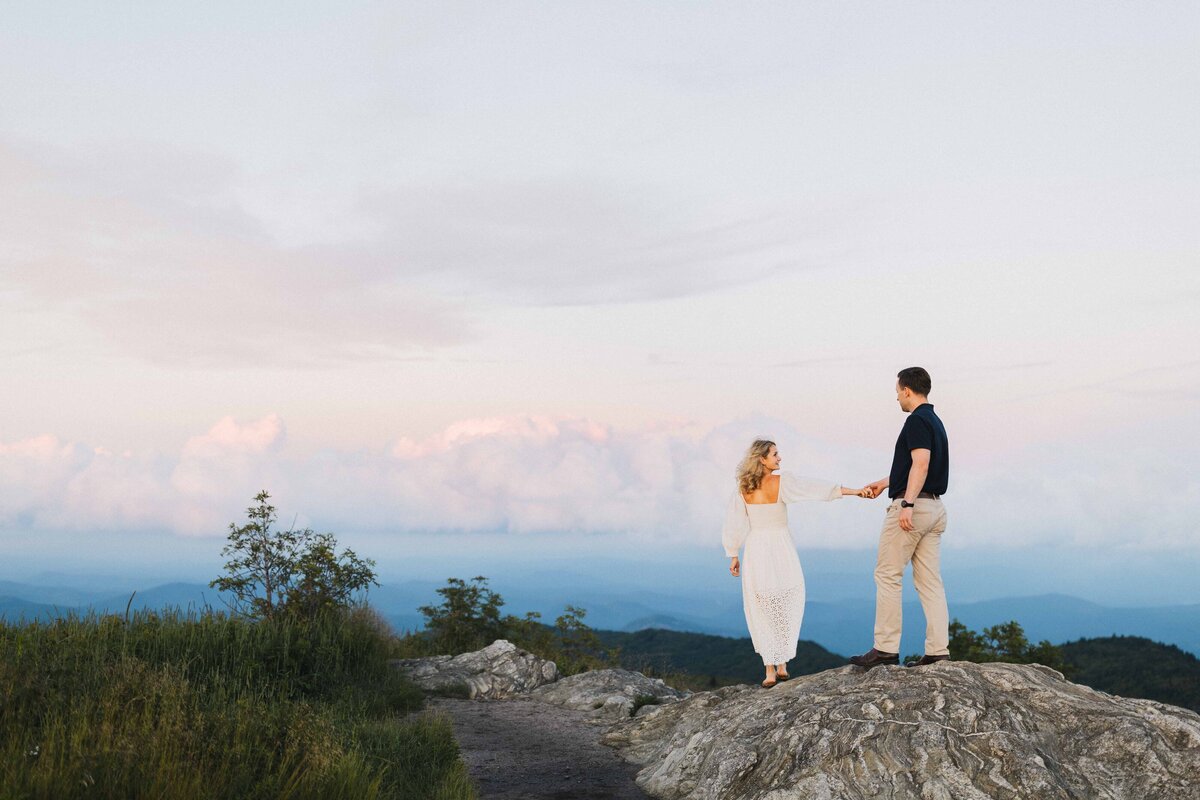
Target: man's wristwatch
{"x": 906, "y": 504}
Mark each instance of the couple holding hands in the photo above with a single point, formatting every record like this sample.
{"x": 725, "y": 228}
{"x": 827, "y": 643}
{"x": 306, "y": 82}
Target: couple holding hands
{"x": 772, "y": 581}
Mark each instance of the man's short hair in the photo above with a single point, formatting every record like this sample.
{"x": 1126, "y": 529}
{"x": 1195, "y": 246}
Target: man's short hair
{"x": 917, "y": 379}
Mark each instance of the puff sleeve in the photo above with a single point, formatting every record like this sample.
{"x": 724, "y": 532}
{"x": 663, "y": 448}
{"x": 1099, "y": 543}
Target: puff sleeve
{"x": 736, "y": 526}
{"x": 793, "y": 488}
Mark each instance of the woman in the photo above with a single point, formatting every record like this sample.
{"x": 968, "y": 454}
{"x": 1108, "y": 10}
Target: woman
{"x": 772, "y": 581}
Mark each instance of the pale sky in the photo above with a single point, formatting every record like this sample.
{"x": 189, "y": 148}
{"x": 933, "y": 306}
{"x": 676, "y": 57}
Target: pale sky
{"x": 548, "y": 267}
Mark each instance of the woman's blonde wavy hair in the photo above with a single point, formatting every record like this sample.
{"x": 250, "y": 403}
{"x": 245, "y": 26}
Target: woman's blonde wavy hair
{"x": 751, "y": 471}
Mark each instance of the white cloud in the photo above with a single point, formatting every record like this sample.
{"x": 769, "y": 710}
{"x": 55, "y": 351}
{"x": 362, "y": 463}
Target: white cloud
{"x": 532, "y": 474}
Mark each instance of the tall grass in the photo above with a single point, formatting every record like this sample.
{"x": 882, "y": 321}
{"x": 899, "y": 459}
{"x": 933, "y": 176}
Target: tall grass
{"x": 168, "y": 705}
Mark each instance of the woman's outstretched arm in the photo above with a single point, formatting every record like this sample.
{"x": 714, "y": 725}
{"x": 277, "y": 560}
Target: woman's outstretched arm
{"x": 794, "y": 488}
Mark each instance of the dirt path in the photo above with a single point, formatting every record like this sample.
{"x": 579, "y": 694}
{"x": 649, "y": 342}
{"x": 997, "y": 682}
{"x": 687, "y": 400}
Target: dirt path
{"x": 523, "y": 748}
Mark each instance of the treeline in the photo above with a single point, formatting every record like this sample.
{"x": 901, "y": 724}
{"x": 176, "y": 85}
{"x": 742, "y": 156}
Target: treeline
{"x": 712, "y": 661}
{"x": 721, "y": 660}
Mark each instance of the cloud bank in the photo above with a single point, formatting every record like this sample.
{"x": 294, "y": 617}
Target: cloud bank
{"x": 150, "y": 249}
{"x": 543, "y": 475}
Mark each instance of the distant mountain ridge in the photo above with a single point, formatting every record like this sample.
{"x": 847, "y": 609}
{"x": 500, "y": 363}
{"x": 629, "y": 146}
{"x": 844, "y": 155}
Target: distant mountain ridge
{"x": 840, "y": 627}
{"x": 16, "y": 608}
{"x": 26, "y": 601}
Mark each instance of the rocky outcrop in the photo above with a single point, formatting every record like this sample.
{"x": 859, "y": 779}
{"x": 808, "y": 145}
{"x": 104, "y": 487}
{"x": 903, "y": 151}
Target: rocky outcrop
{"x": 497, "y": 671}
{"x": 611, "y": 693}
{"x": 950, "y": 731}
{"x": 502, "y": 670}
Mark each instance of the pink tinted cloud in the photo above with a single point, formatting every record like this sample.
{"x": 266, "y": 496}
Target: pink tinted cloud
{"x": 229, "y": 436}
{"x": 516, "y": 474}
{"x": 550, "y": 475}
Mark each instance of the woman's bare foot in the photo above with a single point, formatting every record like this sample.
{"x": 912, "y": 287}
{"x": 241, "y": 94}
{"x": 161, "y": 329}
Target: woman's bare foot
{"x": 770, "y": 681}
{"x": 781, "y": 673}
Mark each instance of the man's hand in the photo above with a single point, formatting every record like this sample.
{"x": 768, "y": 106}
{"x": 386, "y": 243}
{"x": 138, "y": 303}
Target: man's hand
{"x": 906, "y": 523}
{"x": 875, "y": 489}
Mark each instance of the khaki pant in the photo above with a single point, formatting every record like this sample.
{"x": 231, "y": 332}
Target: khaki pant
{"x": 920, "y": 546}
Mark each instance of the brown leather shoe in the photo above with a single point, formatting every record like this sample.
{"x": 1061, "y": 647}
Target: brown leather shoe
{"x": 873, "y": 658}
{"x": 927, "y": 660}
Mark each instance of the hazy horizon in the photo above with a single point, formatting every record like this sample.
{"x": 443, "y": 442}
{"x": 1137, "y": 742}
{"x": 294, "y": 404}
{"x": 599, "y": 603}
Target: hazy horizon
{"x": 1119, "y": 578}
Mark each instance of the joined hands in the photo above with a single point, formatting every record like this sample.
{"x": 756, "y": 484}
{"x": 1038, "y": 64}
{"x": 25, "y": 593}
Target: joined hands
{"x": 872, "y": 490}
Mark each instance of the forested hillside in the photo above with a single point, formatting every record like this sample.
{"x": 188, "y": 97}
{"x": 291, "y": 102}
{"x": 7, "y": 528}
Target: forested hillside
{"x": 1132, "y": 666}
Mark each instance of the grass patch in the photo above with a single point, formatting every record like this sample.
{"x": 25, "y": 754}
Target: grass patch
{"x": 644, "y": 700}
{"x": 208, "y": 706}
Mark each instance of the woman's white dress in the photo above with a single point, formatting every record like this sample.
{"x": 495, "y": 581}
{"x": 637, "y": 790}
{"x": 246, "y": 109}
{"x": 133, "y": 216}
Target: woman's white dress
{"x": 772, "y": 581}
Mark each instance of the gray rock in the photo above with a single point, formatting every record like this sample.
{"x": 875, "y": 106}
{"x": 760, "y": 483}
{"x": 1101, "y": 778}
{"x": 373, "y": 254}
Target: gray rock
{"x": 497, "y": 671}
{"x": 647, "y": 709}
{"x": 612, "y": 693}
{"x": 950, "y": 731}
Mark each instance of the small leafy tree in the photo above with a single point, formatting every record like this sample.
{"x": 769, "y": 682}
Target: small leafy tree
{"x": 578, "y": 645}
{"x": 274, "y": 572}
{"x": 324, "y": 580}
{"x": 468, "y": 617}
{"x": 530, "y": 633}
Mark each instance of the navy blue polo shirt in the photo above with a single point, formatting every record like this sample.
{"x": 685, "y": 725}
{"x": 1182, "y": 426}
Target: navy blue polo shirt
{"x": 922, "y": 429}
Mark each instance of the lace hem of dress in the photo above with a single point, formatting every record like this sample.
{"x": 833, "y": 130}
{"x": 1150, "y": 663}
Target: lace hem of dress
{"x": 781, "y": 616}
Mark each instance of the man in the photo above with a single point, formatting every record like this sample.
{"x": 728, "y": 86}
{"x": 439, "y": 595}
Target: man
{"x": 913, "y": 527}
